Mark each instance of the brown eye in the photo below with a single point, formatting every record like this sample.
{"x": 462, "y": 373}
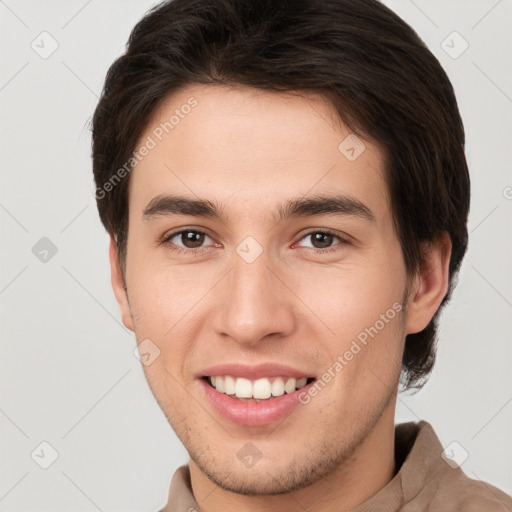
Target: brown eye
{"x": 187, "y": 239}
{"x": 321, "y": 240}
{"x": 192, "y": 239}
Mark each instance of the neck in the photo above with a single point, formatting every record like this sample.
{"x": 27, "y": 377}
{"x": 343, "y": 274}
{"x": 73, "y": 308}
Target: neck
{"x": 369, "y": 469}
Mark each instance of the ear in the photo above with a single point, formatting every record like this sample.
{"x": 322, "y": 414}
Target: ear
{"x": 120, "y": 292}
{"x": 430, "y": 285}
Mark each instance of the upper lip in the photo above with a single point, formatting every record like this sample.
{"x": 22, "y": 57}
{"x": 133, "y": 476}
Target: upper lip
{"x": 254, "y": 371}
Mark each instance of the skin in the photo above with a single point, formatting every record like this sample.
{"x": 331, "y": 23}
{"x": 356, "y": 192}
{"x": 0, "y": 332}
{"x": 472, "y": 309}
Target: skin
{"x": 249, "y": 151}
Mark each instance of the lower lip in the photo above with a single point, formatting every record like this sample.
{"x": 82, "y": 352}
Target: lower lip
{"x": 253, "y": 413}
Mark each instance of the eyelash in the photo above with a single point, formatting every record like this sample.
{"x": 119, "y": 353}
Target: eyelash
{"x": 166, "y": 240}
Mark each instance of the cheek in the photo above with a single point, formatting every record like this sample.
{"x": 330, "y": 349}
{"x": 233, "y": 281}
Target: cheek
{"x": 360, "y": 308}
{"x": 350, "y": 298}
{"x": 162, "y": 294}
{"x": 166, "y": 307}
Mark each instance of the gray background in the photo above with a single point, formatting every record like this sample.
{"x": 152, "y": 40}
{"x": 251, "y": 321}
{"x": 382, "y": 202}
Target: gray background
{"x": 68, "y": 373}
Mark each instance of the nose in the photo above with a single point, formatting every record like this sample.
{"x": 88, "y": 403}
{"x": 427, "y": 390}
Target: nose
{"x": 254, "y": 303}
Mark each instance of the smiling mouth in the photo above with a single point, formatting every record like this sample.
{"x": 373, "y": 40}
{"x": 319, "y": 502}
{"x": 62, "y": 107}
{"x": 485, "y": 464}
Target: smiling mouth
{"x": 258, "y": 390}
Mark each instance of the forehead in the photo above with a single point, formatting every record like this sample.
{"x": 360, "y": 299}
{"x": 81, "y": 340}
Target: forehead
{"x": 250, "y": 149}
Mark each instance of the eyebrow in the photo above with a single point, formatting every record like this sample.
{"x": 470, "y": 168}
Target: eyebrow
{"x": 163, "y": 205}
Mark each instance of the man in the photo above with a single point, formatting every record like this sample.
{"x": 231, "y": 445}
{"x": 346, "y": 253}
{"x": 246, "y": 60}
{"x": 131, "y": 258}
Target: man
{"x": 286, "y": 191}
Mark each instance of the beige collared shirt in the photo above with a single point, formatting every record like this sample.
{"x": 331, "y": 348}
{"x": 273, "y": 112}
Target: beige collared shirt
{"x": 425, "y": 481}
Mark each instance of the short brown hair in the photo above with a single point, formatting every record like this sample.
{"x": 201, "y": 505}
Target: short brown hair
{"x": 384, "y": 82}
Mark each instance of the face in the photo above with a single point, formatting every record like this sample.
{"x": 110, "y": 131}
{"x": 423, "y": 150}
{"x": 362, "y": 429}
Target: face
{"x": 273, "y": 265}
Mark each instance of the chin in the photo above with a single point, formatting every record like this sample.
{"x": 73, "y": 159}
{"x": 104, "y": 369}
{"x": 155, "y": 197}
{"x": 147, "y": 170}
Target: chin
{"x": 265, "y": 477}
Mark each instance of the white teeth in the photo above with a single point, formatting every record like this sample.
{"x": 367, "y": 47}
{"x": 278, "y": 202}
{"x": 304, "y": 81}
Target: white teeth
{"x": 260, "y": 389}
{"x": 289, "y": 387}
{"x": 301, "y": 383}
{"x": 243, "y": 388}
{"x": 219, "y": 384}
{"x": 278, "y": 387}
{"x": 229, "y": 385}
